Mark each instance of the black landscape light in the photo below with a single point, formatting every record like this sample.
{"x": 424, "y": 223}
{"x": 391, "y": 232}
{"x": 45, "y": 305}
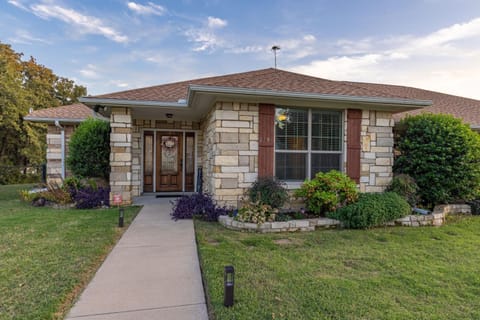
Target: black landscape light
{"x": 117, "y": 200}
{"x": 120, "y": 217}
{"x": 228, "y": 281}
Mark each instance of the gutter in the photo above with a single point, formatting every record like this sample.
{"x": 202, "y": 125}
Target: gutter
{"x": 193, "y": 89}
{"x": 128, "y": 103}
{"x": 53, "y": 120}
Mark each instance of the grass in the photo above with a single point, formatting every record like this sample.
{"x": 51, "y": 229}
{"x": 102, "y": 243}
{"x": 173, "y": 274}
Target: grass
{"x": 391, "y": 273}
{"x": 48, "y": 255}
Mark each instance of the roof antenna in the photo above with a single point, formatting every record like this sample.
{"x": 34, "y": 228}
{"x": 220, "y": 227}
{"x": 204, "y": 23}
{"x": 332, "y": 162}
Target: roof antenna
{"x": 275, "y": 49}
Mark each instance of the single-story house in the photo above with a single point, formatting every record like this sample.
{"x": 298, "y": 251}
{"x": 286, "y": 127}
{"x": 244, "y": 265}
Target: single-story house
{"x": 219, "y": 134}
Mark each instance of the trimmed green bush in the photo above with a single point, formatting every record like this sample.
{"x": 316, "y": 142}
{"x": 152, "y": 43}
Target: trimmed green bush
{"x": 372, "y": 209}
{"x": 268, "y": 190}
{"x": 89, "y": 149}
{"x": 328, "y": 192}
{"x": 443, "y": 156}
{"x": 405, "y": 186}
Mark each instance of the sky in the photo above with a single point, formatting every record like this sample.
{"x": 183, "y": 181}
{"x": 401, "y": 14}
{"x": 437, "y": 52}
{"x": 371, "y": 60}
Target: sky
{"x": 115, "y": 45}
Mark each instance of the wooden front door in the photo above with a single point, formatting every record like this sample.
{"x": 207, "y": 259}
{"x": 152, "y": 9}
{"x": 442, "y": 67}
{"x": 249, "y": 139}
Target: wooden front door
{"x": 169, "y": 161}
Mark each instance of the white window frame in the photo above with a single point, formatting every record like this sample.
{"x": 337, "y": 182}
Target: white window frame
{"x": 295, "y": 184}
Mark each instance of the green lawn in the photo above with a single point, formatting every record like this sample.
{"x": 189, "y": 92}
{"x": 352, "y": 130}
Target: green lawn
{"x": 391, "y": 273}
{"x": 48, "y": 255}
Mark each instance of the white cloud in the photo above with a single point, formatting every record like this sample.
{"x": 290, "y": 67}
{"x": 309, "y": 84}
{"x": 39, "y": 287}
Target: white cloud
{"x": 150, "y": 8}
{"x": 18, "y": 4}
{"x": 216, "y": 22}
{"x": 85, "y": 24}
{"x": 247, "y": 49}
{"x": 206, "y": 37}
{"x": 24, "y": 37}
{"x": 90, "y": 71}
{"x": 119, "y": 84}
{"x": 446, "y": 60}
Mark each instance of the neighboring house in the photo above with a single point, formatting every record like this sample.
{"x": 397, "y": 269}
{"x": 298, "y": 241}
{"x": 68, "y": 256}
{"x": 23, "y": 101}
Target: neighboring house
{"x": 220, "y": 133}
{"x": 61, "y": 122}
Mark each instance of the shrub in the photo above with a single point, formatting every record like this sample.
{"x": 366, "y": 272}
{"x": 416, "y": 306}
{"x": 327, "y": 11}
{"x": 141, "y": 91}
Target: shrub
{"x": 88, "y": 197}
{"x": 198, "y": 204}
{"x": 268, "y": 190}
{"x": 89, "y": 149}
{"x": 53, "y": 193}
{"x": 405, "y": 186}
{"x": 328, "y": 192}
{"x": 372, "y": 209}
{"x": 255, "y": 212}
{"x": 443, "y": 156}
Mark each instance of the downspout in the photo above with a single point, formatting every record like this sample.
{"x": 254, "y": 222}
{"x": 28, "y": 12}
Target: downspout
{"x": 57, "y": 124}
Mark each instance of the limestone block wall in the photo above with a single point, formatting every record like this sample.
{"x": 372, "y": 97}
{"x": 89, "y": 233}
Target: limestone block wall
{"x": 121, "y": 154}
{"x": 137, "y": 148}
{"x": 230, "y": 138}
{"x": 54, "y": 151}
{"x": 377, "y": 151}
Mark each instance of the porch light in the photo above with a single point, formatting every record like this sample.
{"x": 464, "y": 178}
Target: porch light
{"x": 282, "y": 117}
{"x": 228, "y": 281}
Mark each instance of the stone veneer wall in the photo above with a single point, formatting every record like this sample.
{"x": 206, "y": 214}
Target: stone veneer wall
{"x": 121, "y": 154}
{"x": 230, "y": 137}
{"x": 54, "y": 151}
{"x": 137, "y": 147}
{"x": 377, "y": 151}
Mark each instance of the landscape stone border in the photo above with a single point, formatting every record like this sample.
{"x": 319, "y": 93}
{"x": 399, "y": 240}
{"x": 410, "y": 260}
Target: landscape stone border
{"x": 280, "y": 226}
{"x": 436, "y": 218}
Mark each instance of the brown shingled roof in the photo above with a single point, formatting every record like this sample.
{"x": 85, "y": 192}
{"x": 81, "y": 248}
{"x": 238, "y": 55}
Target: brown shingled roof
{"x": 463, "y": 108}
{"x": 74, "y": 112}
{"x": 265, "y": 79}
{"x": 280, "y": 80}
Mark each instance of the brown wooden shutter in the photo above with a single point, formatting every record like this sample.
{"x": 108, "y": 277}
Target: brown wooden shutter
{"x": 266, "y": 125}
{"x": 354, "y": 147}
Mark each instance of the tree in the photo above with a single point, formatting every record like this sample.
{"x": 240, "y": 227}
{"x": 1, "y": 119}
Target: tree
{"x": 443, "y": 156}
{"x": 89, "y": 149}
{"x": 26, "y": 85}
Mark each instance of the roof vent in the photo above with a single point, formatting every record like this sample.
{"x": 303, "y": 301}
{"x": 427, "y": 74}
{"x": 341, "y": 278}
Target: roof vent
{"x": 30, "y": 111}
{"x": 182, "y": 100}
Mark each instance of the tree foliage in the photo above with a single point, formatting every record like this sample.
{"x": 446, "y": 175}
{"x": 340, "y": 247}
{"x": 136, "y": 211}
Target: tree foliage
{"x": 26, "y": 85}
{"x": 443, "y": 156}
{"x": 89, "y": 149}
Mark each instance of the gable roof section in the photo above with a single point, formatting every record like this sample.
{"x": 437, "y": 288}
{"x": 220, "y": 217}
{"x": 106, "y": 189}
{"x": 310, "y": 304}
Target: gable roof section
{"x": 71, "y": 113}
{"x": 463, "y": 108}
{"x": 274, "y": 80}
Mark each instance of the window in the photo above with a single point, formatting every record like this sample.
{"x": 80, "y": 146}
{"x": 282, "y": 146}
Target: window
{"x": 306, "y": 142}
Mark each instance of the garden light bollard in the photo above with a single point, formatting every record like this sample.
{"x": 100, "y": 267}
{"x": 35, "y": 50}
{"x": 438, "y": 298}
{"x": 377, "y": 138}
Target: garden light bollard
{"x": 120, "y": 218}
{"x": 228, "y": 281}
{"x": 117, "y": 200}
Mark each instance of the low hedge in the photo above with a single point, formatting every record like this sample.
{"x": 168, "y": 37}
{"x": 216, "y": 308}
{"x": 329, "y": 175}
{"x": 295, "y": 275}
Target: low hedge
{"x": 372, "y": 209}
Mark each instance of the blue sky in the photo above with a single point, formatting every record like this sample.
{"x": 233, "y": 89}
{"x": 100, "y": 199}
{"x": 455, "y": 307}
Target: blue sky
{"x": 114, "y": 45}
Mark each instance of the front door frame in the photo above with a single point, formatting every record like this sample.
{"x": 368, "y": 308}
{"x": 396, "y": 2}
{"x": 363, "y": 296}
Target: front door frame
{"x": 195, "y": 164}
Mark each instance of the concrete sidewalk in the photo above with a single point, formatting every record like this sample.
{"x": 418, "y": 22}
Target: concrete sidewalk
{"x": 152, "y": 273}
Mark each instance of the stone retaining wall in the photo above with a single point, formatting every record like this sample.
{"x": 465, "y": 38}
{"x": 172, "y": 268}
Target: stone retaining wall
{"x": 283, "y": 226}
{"x": 436, "y": 218}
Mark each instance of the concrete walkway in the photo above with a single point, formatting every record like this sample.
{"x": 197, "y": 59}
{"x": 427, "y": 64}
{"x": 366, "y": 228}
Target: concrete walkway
{"x": 152, "y": 273}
